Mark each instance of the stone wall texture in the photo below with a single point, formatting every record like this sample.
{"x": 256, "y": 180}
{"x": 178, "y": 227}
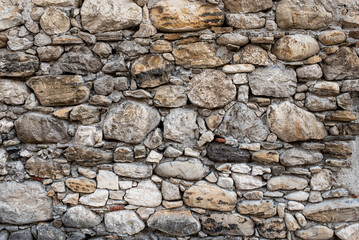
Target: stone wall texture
{"x": 178, "y": 119}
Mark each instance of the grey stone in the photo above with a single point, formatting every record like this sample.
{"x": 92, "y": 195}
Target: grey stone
{"x": 350, "y": 232}
{"x": 18, "y": 44}
{"x": 310, "y": 72}
{"x": 317, "y": 104}
{"x": 296, "y": 156}
{"x": 86, "y": 114}
{"x": 123, "y": 222}
{"x": 21, "y": 235}
{"x": 48, "y": 232}
{"x": 224, "y": 153}
{"x": 316, "y": 233}
{"x": 286, "y": 182}
{"x": 131, "y": 48}
{"x": 245, "y": 21}
{"x": 247, "y": 5}
{"x": 87, "y": 156}
{"x": 146, "y": 194}
{"x": 49, "y": 53}
{"x": 15, "y": 209}
{"x": 321, "y": 181}
{"x": 96, "y": 199}
{"x": 17, "y": 64}
{"x": 104, "y": 85}
{"x": 233, "y": 39}
{"x": 170, "y": 96}
{"x": 13, "y": 92}
{"x": 54, "y": 21}
{"x": 12, "y": 16}
{"x": 81, "y": 217}
{"x": 115, "y": 63}
{"x": 133, "y": 170}
{"x": 46, "y": 168}
{"x": 154, "y": 139}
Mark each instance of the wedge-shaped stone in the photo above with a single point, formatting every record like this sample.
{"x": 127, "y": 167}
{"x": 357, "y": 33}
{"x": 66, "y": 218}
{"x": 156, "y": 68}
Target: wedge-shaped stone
{"x": 341, "y": 210}
{"x": 260, "y": 208}
{"x": 227, "y": 224}
{"x": 24, "y": 203}
{"x": 111, "y": 15}
{"x": 291, "y": 123}
{"x": 13, "y": 92}
{"x": 17, "y": 64}
{"x": 59, "y": 90}
{"x": 130, "y": 122}
{"x": 192, "y": 169}
{"x": 225, "y": 153}
{"x": 123, "y": 222}
{"x": 46, "y": 169}
{"x": 176, "y": 223}
{"x": 39, "y": 128}
{"x": 210, "y": 196}
{"x": 81, "y": 217}
{"x": 146, "y": 194}
{"x": 87, "y": 156}
{"x": 201, "y": 55}
{"x": 185, "y": 15}
{"x": 241, "y": 122}
{"x": 286, "y": 183}
{"x": 296, "y": 156}
{"x": 81, "y": 185}
{"x": 133, "y": 170}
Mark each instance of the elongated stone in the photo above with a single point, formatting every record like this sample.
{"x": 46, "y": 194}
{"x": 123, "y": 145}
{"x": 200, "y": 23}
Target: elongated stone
{"x": 46, "y": 169}
{"x": 81, "y": 217}
{"x": 295, "y": 157}
{"x": 146, "y": 194}
{"x": 10, "y": 14}
{"x": 133, "y": 170}
{"x": 123, "y": 222}
{"x": 247, "y": 6}
{"x": 225, "y": 153}
{"x": 260, "y": 208}
{"x": 87, "y": 156}
{"x": 17, "y": 64}
{"x": 286, "y": 183}
{"x": 81, "y": 185}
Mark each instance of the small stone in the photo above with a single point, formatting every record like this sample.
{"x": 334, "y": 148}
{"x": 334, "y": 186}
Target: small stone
{"x": 17, "y": 44}
{"x": 81, "y": 185}
{"x": 247, "y": 5}
{"x": 247, "y": 182}
{"x": 316, "y": 233}
{"x": 296, "y": 156}
{"x": 102, "y": 49}
{"x": 296, "y": 47}
{"x": 253, "y": 54}
{"x": 131, "y": 48}
{"x": 336, "y": 193}
{"x": 145, "y": 30}
{"x": 123, "y": 154}
{"x": 54, "y": 21}
{"x": 290, "y": 222}
{"x": 47, "y": 231}
{"x": 245, "y": 21}
{"x": 154, "y": 157}
{"x": 60, "y": 3}
{"x": 68, "y": 40}
{"x": 146, "y": 194}
{"x": 297, "y": 196}
{"x": 104, "y": 85}
{"x": 107, "y": 180}
{"x": 315, "y": 104}
{"x": 286, "y": 183}
{"x": 266, "y": 156}
{"x": 87, "y": 156}
{"x": 260, "y": 208}
{"x": 233, "y": 39}
{"x": 11, "y": 14}
{"x": 170, "y": 96}
{"x": 170, "y": 191}
{"x": 323, "y": 88}
{"x": 133, "y": 170}
{"x": 238, "y": 68}
{"x": 96, "y": 199}
{"x": 272, "y": 228}
{"x": 343, "y": 116}
{"x": 49, "y": 53}
{"x": 321, "y": 181}
{"x": 253, "y": 195}
{"x": 71, "y": 198}
{"x": 295, "y": 206}
{"x": 81, "y": 217}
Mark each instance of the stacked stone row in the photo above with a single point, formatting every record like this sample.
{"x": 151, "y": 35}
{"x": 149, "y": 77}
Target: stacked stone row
{"x": 178, "y": 119}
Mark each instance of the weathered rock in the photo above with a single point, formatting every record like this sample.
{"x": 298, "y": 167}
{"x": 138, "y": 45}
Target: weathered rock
{"x": 225, "y": 153}
{"x": 240, "y": 122}
{"x": 184, "y": 15}
{"x": 303, "y": 14}
{"x": 130, "y": 122}
{"x": 123, "y": 222}
{"x": 170, "y": 191}
{"x": 39, "y": 128}
{"x": 81, "y": 217}
{"x": 131, "y": 48}
{"x": 86, "y": 114}
{"x": 216, "y": 224}
{"x": 50, "y": 53}
{"x": 321, "y": 181}
{"x": 296, "y": 156}
{"x": 253, "y": 54}
{"x": 342, "y": 116}
{"x": 60, "y": 3}
{"x": 260, "y": 208}
{"x": 13, "y": 92}
{"x": 21, "y": 235}
{"x": 10, "y": 14}
{"x": 238, "y": 68}
{"x": 317, "y": 104}
{"x": 296, "y": 47}
{"x": 46, "y": 169}
{"x": 54, "y": 21}
{"x": 291, "y": 123}
{"x": 18, "y": 44}
{"x": 338, "y": 149}
{"x": 245, "y": 21}
{"x": 201, "y": 55}
{"x": 332, "y": 37}
{"x": 81, "y": 185}
{"x": 286, "y": 183}
{"x": 266, "y": 156}
{"x": 3, "y": 40}
{"x": 247, "y": 182}
{"x": 87, "y": 156}
{"x": 344, "y": 64}
{"x": 211, "y": 89}
{"x": 272, "y": 228}
{"x": 324, "y": 88}
{"x": 180, "y": 125}
{"x": 116, "y": 63}
{"x": 210, "y": 196}
{"x": 88, "y": 136}
{"x": 175, "y": 223}
{"x": 192, "y": 169}
{"x": 15, "y": 209}
{"x": 290, "y": 222}
{"x": 350, "y": 232}
{"x": 80, "y": 60}
{"x": 233, "y": 39}
{"x": 151, "y": 71}
{"x": 170, "y": 96}
{"x": 96, "y": 199}
{"x": 123, "y": 154}
{"x": 316, "y": 233}
{"x": 48, "y": 232}
{"x": 59, "y": 90}
{"x": 17, "y": 64}
{"x": 146, "y": 194}
{"x": 247, "y": 6}
{"x": 297, "y": 196}
{"x": 98, "y": 16}
{"x": 107, "y": 180}
{"x": 310, "y": 72}
{"x": 133, "y": 170}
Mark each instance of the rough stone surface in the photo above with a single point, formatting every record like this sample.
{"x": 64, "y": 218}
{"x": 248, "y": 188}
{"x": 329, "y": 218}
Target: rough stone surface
{"x": 87, "y": 156}
{"x": 13, "y": 92}
{"x": 247, "y": 6}
{"x": 296, "y": 156}
{"x": 349, "y": 233}
{"x": 123, "y": 222}
{"x": 17, "y": 64}
{"x": 80, "y": 217}
{"x": 10, "y": 14}
{"x": 54, "y": 21}
{"x": 261, "y": 208}
{"x": 287, "y": 183}
{"x": 316, "y": 232}
{"x": 46, "y": 169}
{"x": 224, "y": 153}
{"x": 14, "y": 209}
{"x": 81, "y": 185}
{"x": 96, "y": 199}
{"x": 146, "y": 194}
{"x": 272, "y": 228}
{"x": 247, "y": 182}
{"x": 135, "y": 170}
{"x": 170, "y": 96}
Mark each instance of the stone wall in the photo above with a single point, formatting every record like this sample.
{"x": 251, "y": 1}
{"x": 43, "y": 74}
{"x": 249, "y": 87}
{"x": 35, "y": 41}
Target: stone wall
{"x": 178, "y": 119}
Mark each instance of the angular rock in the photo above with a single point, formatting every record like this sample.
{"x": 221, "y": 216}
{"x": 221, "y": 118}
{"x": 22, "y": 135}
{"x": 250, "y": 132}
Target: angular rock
{"x": 180, "y": 125}
{"x": 174, "y": 223}
{"x": 259, "y": 208}
{"x": 216, "y": 224}
{"x": 273, "y": 228}
{"x": 233, "y": 39}
{"x": 286, "y": 183}
{"x": 17, "y": 64}
{"x": 238, "y": 68}
{"x": 339, "y": 210}
{"x": 303, "y": 14}
{"x": 54, "y": 21}
{"x": 60, "y": 3}
{"x": 247, "y": 6}
{"x": 146, "y": 194}
{"x": 10, "y": 14}
{"x": 107, "y": 180}
{"x": 81, "y": 217}
{"x": 39, "y": 128}
{"x": 315, "y": 233}
{"x": 350, "y": 232}
{"x": 170, "y": 96}
{"x": 185, "y": 15}
{"x": 81, "y": 185}
{"x": 321, "y": 181}
{"x": 192, "y": 169}
{"x": 88, "y": 135}
{"x": 86, "y": 114}
{"x": 224, "y": 153}
{"x": 123, "y": 222}
{"x": 87, "y": 156}
{"x": 59, "y": 90}
{"x": 324, "y": 88}
{"x": 46, "y": 169}
{"x": 290, "y": 222}
{"x": 116, "y": 63}
{"x": 21, "y": 235}
{"x": 240, "y": 122}
{"x": 291, "y": 123}
{"x": 344, "y": 64}
{"x": 201, "y": 55}
{"x": 13, "y": 92}
{"x": 49, "y": 53}
{"x": 211, "y": 89}
{"x": 96, "y": 199}
{"x": 130, "y": 122}
{"x": 296, "y": 156}
{"x": 210, "y": 196}
{"x": 310, "y": 72}
{"x": 317, "y": 104}
{"x": 296, "y": 47}
{"x": 133, "y": 170}
{"x": 131, "y": 48}
{"x": 151, "y": 71}
{"x": 15, "y": 209}
{"x": 247, "y": 182}
{"x": 170, "y": 191}
{"x": 332, "y": 37}
{"x": 113, "y": 15}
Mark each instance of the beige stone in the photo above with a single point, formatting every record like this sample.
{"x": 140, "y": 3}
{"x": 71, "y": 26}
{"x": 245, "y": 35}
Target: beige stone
{"x": 266, "y": 156}
{"x": 46, "y": 169}
{"x": 273, "y": 228}
{"x": 254, "y": 54}
{"x": 13, "y": 92}
{"x": 170, "y": 96}
{"x": 54, "y": 21}
{"x": 81, "y": 185}
{"x": 17, "y": 64}
{"x": 257, "y": 208}
{"x": 350, "y": 232}
{"x": 245, "y": 21}
{"x": 343, "y": 116}
{"x": 286, "y": 182}
{"x": 60, "y": 3}
{"x": 247, "y": 5}
{"x": 332, "y": 37}
{"x": 10, "y": 14}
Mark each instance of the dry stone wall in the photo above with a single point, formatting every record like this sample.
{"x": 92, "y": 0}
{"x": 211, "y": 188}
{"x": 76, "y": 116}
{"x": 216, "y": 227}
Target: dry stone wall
{"x": 178, "y": 119}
